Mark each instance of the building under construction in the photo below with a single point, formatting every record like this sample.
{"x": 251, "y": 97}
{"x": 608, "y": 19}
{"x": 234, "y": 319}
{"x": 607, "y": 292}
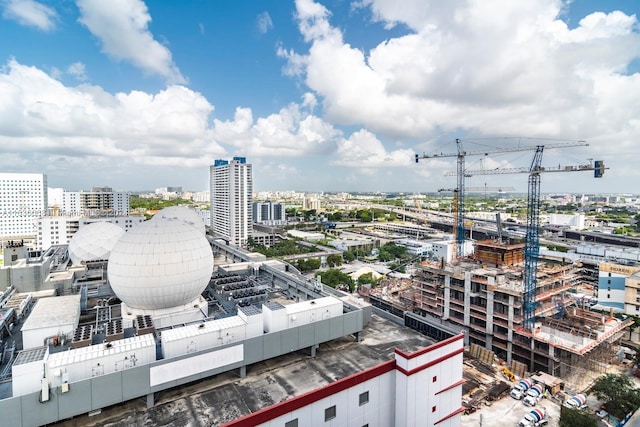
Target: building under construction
{"x": 483, "y": 295}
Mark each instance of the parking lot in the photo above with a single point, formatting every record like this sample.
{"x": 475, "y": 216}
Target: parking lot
{"x": 506, "y": 412}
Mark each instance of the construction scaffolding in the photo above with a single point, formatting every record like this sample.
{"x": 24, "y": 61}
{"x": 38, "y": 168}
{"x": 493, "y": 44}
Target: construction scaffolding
{"x": 488, "y": 302}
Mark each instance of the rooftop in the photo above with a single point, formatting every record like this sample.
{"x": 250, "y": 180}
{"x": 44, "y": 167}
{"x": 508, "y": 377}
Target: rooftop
{"x": 225, "y": 397}
{"x": 51, "y": 312}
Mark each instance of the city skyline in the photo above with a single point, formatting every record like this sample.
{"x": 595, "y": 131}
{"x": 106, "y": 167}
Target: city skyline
{"x": 318, "y": 96}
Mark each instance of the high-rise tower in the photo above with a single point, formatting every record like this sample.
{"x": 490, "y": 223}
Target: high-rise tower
{"x": 23, "y": 199}
{"x": 231, "y": 187}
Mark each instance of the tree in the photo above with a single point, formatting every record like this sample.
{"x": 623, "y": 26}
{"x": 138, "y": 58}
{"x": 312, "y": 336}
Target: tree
{"x": 336, "y": 279}
{"x": 390, "y": 251}
{"x": 308, "y": 264}
{"x": 335, "y": 216}
{"x": 334, "y": 260}
{"x": 394, "y": 266}
{"x": 618, "y": 394}
{"x": 348, "y": 256}
{"x": 577, "y": 417}
{"x": 364, "y": 215}
{"x": 367, "y": 278}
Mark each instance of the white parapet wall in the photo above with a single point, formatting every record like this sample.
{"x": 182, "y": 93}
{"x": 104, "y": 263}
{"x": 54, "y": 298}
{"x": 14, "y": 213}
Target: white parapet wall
{"x": 202, "y": 336}
{"x": 306, "y": 312}
{"x": 101, "y": 359}
{"x": 28, "y": 370}
{"x": 274, "y": 316}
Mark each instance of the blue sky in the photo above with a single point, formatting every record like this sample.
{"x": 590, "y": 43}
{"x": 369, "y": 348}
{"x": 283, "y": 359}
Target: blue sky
{"x": 332, "y": 95}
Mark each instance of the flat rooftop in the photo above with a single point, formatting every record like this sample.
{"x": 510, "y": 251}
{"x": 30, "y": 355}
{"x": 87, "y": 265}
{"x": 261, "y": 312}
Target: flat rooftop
{"x": 225, "y": 397}
{"x": 52, "y": 312}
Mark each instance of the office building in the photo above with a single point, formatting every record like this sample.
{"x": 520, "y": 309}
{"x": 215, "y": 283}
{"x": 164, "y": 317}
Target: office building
{"x": 23, "y": 199}
{"x": 231, "y": 187}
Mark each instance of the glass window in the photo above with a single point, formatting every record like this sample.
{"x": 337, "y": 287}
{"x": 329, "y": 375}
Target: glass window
{"x": 364, "y": 398}
{"x": 292, "y": 423}
{"x": 330, "y": 413}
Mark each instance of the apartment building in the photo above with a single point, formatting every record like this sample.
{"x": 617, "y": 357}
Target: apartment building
{"x": 99, "y": 201}
{"x": 23, "y": 199}
{"x": 58, "y": 230}
{"x": 231, "y": 189}
{"x": 269, "y": 213}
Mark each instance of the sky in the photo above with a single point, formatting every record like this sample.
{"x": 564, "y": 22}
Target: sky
{"x": 332, "y": 95}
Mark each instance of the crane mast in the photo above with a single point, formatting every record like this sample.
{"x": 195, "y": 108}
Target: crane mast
{"x": 532, "y": 239}
{"x": 461, "y": 174}
{"x": 460, "y": 234}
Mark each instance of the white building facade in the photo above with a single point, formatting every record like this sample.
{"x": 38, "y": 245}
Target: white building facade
{"x": 231, "y": 189}
{"x": 58, "y": 230}
{"x": 99, "y": 201}
{"x": 23, "y": 199}
{"x": 423, "y": 389}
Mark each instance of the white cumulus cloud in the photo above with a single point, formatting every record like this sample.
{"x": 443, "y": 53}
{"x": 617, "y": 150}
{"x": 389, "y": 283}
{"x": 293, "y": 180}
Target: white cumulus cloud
{"x": 30, "y": 13}
{"x": 494, "y": 67}
{"x": 122, "y": 27}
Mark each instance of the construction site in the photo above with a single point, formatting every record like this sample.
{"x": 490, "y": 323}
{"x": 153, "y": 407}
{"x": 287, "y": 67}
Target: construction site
{"x": 516, "y": 307}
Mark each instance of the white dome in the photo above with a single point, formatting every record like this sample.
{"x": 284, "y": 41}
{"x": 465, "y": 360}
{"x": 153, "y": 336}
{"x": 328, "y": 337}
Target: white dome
{"x": 94, "y": 242}
{"x": 160, "y": 264}
{"x": 181, "y": 213}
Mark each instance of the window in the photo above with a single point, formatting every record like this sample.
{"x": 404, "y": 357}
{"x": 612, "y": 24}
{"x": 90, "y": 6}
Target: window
{"x": 292, "y": 423}
{"x": 435, "y": 378}
{"x": 364, "y": 398}
{"x": 330, "y": 413}
{"x": 433, "y": 409}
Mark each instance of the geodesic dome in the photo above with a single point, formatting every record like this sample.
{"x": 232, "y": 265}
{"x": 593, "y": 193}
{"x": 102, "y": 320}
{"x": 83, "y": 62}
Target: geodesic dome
{"x": 94, "y": 242}
{"x": 160, "y": 264}
{"x": 181, "y": 213}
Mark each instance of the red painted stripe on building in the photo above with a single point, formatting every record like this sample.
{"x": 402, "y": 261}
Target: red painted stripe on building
{"x": 430, "y": 348}
{"x": 286, "y": 406}
{"x": 453, "y": 414}
{"x": 454, "y": 385}
{"x": 430, "y": 363}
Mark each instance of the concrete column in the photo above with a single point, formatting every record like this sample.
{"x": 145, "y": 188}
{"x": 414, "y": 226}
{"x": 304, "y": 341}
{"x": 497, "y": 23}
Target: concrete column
{"x": 489, "y": 312}
{"x": 150, "y": 400}
{"x": 467, "y": 297}
{"x": 312, "y": 350}
{"x": 242, "y": 371}
{"x": 510, "y": 329}
{"x": 447, "y": 297}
